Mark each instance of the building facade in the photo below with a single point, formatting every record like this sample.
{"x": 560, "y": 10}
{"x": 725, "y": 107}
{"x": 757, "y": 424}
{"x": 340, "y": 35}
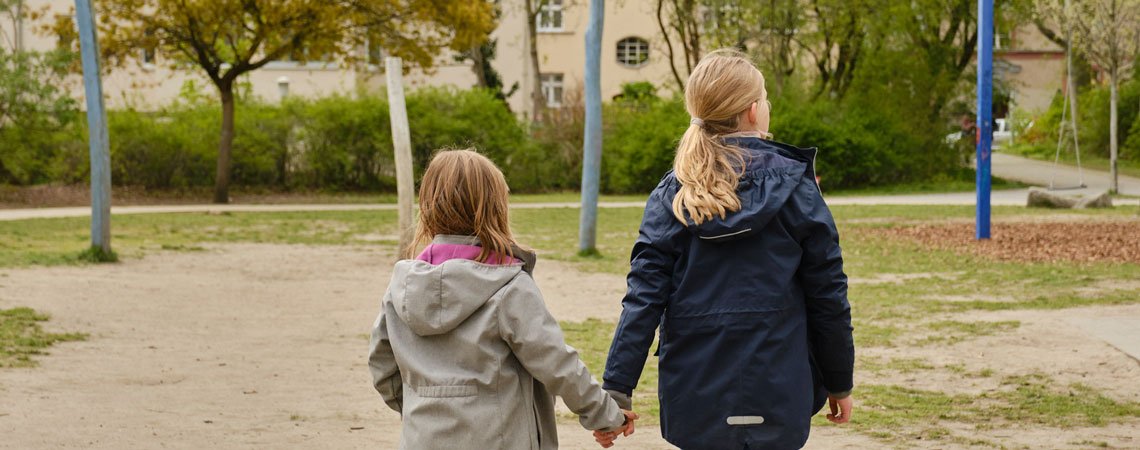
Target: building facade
{"x": 632, "y": 51}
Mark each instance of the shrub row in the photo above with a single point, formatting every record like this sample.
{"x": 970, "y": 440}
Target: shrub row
{"x": 344, "y": 143}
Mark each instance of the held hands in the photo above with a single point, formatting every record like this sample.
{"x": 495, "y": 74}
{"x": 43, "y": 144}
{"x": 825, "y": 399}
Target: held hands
{"x": 840, "y": 409}
{"x": 606, "y": 438}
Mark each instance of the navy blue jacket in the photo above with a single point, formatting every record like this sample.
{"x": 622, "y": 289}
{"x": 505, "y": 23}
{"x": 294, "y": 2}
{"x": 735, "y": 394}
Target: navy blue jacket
{"x": 753, "y": 312}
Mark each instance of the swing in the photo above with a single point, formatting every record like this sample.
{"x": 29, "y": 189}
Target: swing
{"x": 1070, "y": 104}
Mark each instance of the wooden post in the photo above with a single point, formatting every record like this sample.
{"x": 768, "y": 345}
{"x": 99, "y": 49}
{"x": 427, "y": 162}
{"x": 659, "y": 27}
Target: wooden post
{"x": 402, "y": 144}
{"x": 96, "y": 129}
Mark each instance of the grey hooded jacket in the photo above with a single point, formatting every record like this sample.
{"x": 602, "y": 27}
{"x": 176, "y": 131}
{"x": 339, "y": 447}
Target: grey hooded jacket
{"x": 469, "y": 355}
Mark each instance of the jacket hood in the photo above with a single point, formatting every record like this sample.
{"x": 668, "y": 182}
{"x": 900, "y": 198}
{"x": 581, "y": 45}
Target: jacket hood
{"x": 434, "y": 299}
{"x": 772, "y": 173}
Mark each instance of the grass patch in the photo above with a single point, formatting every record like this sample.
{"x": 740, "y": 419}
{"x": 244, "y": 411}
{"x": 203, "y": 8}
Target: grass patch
{"x": 22, "y": 337}
{"x": 948, "y": 332}
{"x": 592, "y": 339}
{"x": 96, "y": 255}
{"x": 901, "y": 414}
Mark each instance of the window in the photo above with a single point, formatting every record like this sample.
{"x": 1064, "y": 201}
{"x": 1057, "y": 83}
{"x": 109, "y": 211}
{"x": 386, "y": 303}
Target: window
{"x": 147, "y": 54}
{"x": 374, "y": 46}
{"x": 375, "y": 52}
{"x": 148, "y": 57}
{"x": 552, "y": 89}
{"x": 1003, "y": 41}
{"x": 549, "y": 15}
{"x": 633, "y": 52}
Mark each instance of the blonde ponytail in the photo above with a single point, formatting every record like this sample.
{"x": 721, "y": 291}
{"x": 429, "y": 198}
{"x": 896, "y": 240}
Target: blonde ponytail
{"x": 709, "y": 172}
{"x": 722, "y": 86}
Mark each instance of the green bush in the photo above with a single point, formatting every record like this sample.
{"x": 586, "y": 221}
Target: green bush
{"x": 862, "y": 146}
{"x": 347, "y": 144}
{"x": 37, "y": 117}
{"x": 449, "y": 118}
{"x": 640, "y": 142}
{"x": 177, "y": 147}
{"x": 1094, "y": 110}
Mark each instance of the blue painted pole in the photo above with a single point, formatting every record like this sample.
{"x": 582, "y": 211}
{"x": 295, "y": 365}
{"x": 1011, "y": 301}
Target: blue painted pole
{"x": 96, "y": 128}
{"x": 985, "y": 130}
{"x": 592, "y": 142}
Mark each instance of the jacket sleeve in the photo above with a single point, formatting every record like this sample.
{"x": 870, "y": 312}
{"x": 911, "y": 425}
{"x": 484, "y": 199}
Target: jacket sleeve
{"x": 538, "y": 343}
{"x": 649, "y": 286}
{"x": 825, "y": 287}
{"x": 382, "y": 364}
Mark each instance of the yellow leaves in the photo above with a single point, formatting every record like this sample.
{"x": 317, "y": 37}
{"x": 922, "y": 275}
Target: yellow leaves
{"x": 245, "y": 34}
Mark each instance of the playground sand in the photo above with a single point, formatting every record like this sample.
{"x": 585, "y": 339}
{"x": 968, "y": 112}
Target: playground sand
{"x": 264, "y": 346}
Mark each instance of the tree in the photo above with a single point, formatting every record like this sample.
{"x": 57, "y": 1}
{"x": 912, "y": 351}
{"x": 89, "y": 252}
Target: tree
{"x": 481, "y": 57}
{"x": 538, "y": 101}
{"x": 680, "y": 20}
{"x": 766, "y": 30}
{"x": 836, "y": 42}
{"x": 1108, "y": 33}
{"x": 32, "y": 104}
{"x": 229, "y": 38}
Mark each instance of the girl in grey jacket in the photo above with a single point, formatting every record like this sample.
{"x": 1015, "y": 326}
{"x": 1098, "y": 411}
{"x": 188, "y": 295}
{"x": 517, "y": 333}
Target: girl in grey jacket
{"x": 464, "y": 347}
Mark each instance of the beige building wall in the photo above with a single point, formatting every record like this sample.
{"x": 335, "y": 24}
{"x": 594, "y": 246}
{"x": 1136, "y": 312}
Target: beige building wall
{"x": 564, "y": 52}
{"x": 149, "y": 86}
{"x": 1036, "y": 64}
{"x": 1037, "y": 69}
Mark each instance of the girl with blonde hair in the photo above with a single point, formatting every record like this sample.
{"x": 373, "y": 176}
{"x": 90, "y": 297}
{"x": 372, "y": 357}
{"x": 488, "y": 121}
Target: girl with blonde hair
{"x": 464, "y": 347}
{"x": 738, "y": 262}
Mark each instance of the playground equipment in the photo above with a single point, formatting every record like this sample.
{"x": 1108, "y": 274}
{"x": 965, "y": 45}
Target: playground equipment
{"x": 1070, "y": 99}
{"x": 402, "y": 144}
{"x": 97, "y": 129}
{"x": 592, "y": 141}
{"x": 985, "y": 112}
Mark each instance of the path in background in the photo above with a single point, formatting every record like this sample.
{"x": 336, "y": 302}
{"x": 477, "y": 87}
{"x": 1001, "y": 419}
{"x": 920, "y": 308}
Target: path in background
{"x": 1040, "y": 173}
{"x": 1032, "y": 172}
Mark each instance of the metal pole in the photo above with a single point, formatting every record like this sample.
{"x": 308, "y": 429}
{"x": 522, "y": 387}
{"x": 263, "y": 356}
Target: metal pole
{"x": 592, "y": 142}
{"x": 96, "y": 129}
{"x": 402, "y": 144}
{"x": 985, "y": 114}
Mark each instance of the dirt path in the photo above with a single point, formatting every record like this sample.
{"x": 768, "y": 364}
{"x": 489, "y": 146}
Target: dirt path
{"x": 263, "y": 346}
{"x": 241, "y": 346}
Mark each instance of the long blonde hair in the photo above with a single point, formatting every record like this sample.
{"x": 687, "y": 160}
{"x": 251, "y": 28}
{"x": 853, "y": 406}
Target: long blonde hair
{"x": 722, "y": 86}
{"x": 464, "y": 193}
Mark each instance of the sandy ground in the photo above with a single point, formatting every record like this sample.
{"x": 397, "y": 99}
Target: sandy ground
{"x": 264, "y": 346}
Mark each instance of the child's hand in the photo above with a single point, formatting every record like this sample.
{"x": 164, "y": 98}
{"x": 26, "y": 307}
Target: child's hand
{"x": 840, "y": 409}
{"x": 630, "y": 418}
{"x": 606, "y": 438}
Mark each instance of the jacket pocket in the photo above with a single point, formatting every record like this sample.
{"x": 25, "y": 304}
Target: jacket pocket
{"x": 463, "y": 390}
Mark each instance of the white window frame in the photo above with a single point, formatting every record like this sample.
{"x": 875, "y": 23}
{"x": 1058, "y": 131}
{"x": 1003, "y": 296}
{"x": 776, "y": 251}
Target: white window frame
{"x": 547, "y": 12}
{"x": 553, "y": 88}
{"x": 640, "y": 47}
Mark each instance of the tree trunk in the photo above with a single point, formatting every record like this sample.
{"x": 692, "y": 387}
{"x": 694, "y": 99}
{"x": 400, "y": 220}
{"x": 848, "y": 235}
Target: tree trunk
{"x": 1112, "y": 130}
{"x": 477, "y": 66}
{"x": 538, "y": 101}
{"x": 669, "y": 46}
{"x": 225, "y": 146}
